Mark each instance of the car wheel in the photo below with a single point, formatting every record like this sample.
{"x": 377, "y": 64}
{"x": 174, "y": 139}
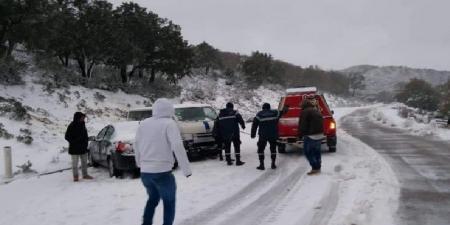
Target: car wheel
{"x": 92, "y": 161}
{"x": 332, "y": 148}
{"x": 113, "y": 171}
{"x": 281, "y": 148}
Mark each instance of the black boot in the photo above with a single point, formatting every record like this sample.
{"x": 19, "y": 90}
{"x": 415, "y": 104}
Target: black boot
{"x": 220, "y": 156}
{"x": 228, "y": 159}
{"x": 261, "y": 163}
{"x": 238, "y": 161}
{"x": 273, "y": 163}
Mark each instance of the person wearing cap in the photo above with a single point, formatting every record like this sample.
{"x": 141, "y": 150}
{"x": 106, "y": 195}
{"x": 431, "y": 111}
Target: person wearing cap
{"x": 227, "y": 124}
{"x": 266, "y": 122}
{"x": 77, "y": 136}
{"x": 157, "y": 140}
{"x": 311, "y": 128}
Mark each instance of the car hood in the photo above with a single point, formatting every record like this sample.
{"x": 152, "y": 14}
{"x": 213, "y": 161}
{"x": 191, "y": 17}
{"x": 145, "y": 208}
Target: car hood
{"x": 195, "y": 127}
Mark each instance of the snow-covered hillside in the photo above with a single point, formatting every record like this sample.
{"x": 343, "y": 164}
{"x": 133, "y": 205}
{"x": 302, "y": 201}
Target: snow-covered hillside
{"x": 386, "y": 78}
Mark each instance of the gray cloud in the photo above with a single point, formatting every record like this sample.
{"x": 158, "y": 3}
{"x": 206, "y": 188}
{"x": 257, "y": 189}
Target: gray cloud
{"x": 329, "y": 33}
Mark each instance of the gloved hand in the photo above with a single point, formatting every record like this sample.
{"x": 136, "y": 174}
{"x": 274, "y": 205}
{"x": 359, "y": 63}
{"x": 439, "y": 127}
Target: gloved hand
{"x": 253, "y": 136}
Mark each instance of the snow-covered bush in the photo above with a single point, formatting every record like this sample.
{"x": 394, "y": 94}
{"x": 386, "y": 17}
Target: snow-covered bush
{"x": 25, "y": 136}
{"x": 13, "y": 109}
{"x": 25, "y": 168}
{"x": 4, "y": 133}
{"x": 99, "y": 97}
{"x": 10, "y": 72}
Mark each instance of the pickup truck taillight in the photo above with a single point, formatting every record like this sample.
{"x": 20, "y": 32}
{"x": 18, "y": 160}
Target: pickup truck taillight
{"x": 122, "y": 147}
{"x": 289, "y": 121}
{"x": 332, "y": 125}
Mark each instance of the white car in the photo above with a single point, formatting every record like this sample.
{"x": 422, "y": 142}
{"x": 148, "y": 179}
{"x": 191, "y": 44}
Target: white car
{"x": 112, "y": 147}
{"x": 196, "y": 122}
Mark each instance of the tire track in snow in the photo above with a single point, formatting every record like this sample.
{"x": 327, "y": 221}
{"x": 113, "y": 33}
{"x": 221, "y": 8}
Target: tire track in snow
{"x": 327, "y": 206}
{"x": 256, "y": 212}
{"x": 210, "y": 214}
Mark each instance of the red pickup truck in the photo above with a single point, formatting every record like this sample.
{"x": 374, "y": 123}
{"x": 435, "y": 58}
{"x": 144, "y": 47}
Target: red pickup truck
{"x": 288, "y": 124}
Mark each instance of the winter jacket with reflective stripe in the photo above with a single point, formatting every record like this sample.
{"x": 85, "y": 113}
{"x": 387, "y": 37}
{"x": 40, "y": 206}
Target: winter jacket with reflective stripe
{"x": 267, "y": 121}
{"x": 227, "y": 125}
{"x": 158, "y": 139}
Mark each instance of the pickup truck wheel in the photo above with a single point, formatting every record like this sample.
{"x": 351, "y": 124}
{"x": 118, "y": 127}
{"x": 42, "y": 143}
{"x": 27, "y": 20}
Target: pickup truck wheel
{"x": 281, "y": 148}
{"x": 113, "y": 171}
{"x": 332, "y": 148}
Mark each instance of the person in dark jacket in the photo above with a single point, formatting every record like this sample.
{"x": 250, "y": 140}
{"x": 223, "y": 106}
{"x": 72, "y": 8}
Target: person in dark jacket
{"x": 217, "y": 138}
{"x": 228, "y": 123}
{"x": 267, "y": 122}
{"x": 78, "y": 139}
{"x": 311, "y": 127}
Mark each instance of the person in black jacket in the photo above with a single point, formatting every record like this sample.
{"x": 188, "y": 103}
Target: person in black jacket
{"x": 267, "y": 121}
{"x": 228, "y": 123}
{"x": 78, "y": 139}
{"x": 311, "y": 127}
{"x": 217, "y": 138}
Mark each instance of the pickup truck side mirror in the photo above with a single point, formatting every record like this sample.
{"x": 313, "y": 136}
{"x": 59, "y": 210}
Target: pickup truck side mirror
{"x": 332, "y": 112}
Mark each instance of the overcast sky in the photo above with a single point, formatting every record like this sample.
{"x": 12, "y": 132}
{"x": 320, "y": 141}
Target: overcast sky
{"x": 333, "y": 34}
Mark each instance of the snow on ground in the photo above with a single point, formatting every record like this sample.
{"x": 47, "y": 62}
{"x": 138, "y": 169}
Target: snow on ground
{"x": 355, "y": 187}
{"x": 388, "y": 115}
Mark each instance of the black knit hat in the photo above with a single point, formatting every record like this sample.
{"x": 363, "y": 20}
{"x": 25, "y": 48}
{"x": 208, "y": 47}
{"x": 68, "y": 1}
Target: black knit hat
{"x": 230, "y": 105}
{"x": 266, "y": 106}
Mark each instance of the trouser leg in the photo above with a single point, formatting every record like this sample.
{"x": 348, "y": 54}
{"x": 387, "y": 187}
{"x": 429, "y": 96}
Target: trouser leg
{"x": 273, "y": 152}
{"x": 75, "y": 165}
{"x": 220, "y": 150}
{"x": 228, "y": 151}
{"x": 167, "y": 189}
{"x": 84, "y": 164}
{"x": 237, "y": 151}
{"x": 261, "y": 146}
{"x": 307, "y": 151}
{"x": 153, "y": 198}
{"x": 317, "y": 155}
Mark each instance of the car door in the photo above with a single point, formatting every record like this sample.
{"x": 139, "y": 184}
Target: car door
{"x": 106, "y": 145}
{"x": 95, "y": 148}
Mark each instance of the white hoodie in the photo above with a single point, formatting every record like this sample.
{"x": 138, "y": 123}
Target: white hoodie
{"x": 157, "y": 139}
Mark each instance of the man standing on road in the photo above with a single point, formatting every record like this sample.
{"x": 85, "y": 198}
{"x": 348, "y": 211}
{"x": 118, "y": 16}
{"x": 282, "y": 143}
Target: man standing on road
{"x": 228, "y": 123}
{"x": 157, "y": 139}
{"x": 267, "y": 121}
{"x": 77, "y": 136}
{"x": 311, "y": 127}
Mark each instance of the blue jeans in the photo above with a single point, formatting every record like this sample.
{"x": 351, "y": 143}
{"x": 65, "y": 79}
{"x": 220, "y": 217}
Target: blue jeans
{"x": 159, "y": 186}
{"x": 311, "y": 148}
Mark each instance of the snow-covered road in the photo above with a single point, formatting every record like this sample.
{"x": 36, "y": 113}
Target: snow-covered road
{"x": 421, "y": 164}
{"x": 355, "y": 187}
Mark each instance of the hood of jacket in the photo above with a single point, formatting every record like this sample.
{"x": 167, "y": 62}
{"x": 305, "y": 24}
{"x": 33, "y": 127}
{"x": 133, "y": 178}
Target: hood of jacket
{"x": 163, "y": 108}
{"x": 77, "y": 116}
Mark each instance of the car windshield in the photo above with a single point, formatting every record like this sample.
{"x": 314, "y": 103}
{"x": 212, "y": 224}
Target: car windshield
{"x": 195, "y": 114}
{"x": 139, "y": 115}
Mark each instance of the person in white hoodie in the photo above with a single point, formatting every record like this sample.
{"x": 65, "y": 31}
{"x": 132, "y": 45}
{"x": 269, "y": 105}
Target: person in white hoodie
{"x": 157, "y": 140}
